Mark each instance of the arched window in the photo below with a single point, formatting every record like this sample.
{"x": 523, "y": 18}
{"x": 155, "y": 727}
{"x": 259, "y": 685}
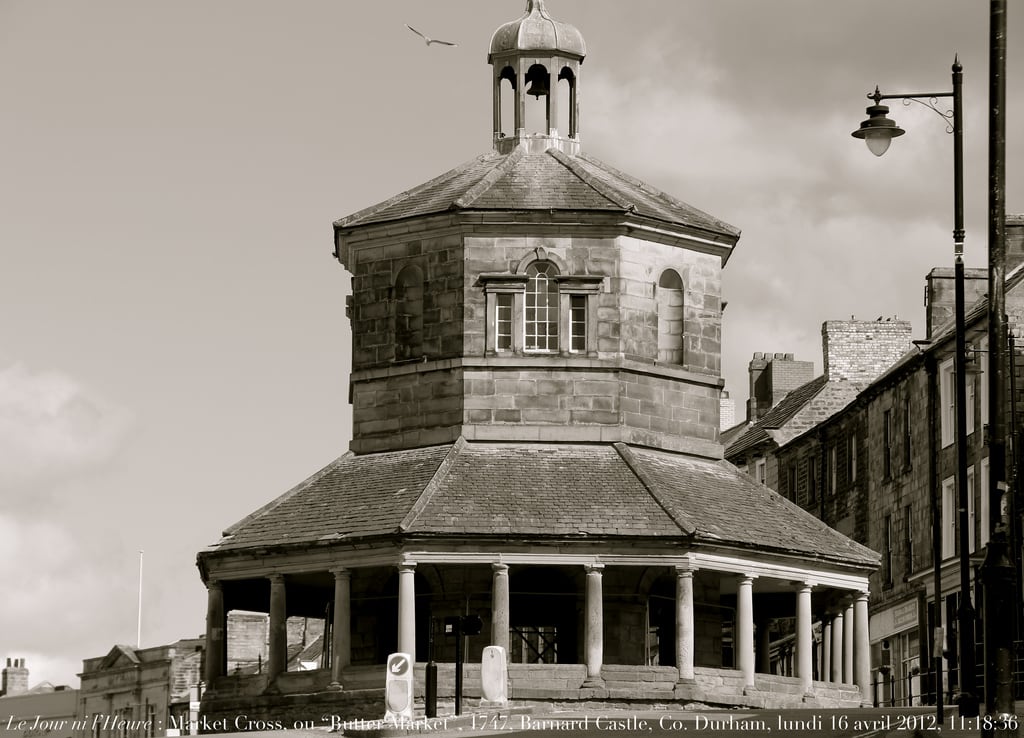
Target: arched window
{"x": 541, "y": 323}
{"x": 409, "y": 313}
{"x": 670, "y": 317}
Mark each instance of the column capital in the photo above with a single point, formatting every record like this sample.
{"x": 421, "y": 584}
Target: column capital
{"x": 862, "y": 595}
{"x": 499, "y": 568}
{"x": 276, "y": 578}
{"x": 214, "y": 584}
{"x": 341, "y": 572}
{"x": 594, "y": 568}
{"x": 406, "y": 566}
{"x": 684, "y": 572}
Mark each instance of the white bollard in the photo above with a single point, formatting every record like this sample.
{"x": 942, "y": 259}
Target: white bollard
{"x": 398, "y": 687}
{"x": 494, "y": 676}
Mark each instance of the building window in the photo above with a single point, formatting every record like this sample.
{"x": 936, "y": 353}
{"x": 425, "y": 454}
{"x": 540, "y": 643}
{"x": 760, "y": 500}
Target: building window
{"x": 541, "y": 324}
{"x": 503, "y": 321}
{"x": 577, "y": 324}
{"x": 791, "y": 488}
{"x": 970, "y": 509}
{"x": 833, "y": 469}
{"x": 984, "y": 382}
{"x": 887, "y": 547}
{"x": 812, "y": 479}
{"x": 947, "y": 402}
{"x": 761, "y": 470}
{"x": 948, "y": 518}
{"x": 985, "y": 519}
{"x": 852, "y": 457}
{"x": 970, "y": 402}
{"x": 887, "y": 444}
{"x": 408, "y": 303}
{"x": 907, "y": 447}
{"x": 909, "y": 522}
{"x": 670, "y": 317}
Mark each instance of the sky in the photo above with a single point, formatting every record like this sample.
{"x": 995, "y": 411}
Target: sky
{"x": 174, "y": 351}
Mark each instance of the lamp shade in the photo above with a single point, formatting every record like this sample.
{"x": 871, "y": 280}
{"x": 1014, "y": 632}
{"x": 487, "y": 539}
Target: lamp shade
{"x": 878, "y": 130}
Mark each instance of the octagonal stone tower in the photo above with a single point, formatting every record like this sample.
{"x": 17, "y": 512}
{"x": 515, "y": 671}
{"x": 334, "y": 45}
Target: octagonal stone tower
{"x": 535, "y": 293}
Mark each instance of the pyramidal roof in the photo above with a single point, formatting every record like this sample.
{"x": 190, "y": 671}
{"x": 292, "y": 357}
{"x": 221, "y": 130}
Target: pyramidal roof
{"x": 546, "y": 181}
{"x": 539, "y": 492}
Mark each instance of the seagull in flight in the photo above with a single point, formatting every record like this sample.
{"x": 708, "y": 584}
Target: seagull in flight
{"x": 428, "y": 39}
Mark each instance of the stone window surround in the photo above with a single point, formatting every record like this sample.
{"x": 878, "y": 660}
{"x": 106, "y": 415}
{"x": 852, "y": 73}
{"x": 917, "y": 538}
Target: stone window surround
{"x": 588, "y": 285}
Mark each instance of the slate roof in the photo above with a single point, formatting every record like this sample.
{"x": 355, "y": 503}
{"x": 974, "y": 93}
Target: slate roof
{"x": 789, "y": 406}
{"x": 547, "y": 181}
{"x": 538, "y": 491}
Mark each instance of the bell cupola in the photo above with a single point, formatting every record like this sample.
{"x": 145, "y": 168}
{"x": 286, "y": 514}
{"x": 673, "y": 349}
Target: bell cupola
{"x": 536, "y": 57}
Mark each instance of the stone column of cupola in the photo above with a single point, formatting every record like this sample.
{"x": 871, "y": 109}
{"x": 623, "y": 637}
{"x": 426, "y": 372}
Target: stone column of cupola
{"x": 341, "y": 633}
{"x": 745, "y": 630}
{"x": 826, "y": 649}
{"x": 684, "y": 623}
{"x": 277, "y": 656}
{"x": 216, "y": 636}
{"x": 804, "y": 638}
{"x": 500, "y": 634}
{"x": 407, "y": 609}
{"x": 594, "y": 625}
{"x": 838, "y": 638}
{"x": 848, "y": 644}
{"x": 862, "y": 648}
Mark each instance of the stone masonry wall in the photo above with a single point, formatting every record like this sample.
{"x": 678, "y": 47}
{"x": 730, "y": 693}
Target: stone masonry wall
{"x": 375, "y": 266}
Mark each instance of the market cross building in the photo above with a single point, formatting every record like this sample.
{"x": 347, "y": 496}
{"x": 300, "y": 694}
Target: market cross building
{"x": 535, "y": 389}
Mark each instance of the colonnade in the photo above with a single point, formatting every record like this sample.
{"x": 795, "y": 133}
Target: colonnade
{"x": 846, "y": 656}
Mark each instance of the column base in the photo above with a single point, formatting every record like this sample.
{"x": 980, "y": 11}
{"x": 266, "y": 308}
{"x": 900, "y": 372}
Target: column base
{"x": 335, "y": 687}
{"x": 751, "y": 690}
{"x": 685, "y": 681}
{"x": 809, "y": 697}
{"x": 595, "y": 682}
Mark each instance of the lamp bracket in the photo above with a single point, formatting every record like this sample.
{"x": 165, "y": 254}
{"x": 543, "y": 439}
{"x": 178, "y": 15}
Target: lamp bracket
{"x": 928, "y": 99}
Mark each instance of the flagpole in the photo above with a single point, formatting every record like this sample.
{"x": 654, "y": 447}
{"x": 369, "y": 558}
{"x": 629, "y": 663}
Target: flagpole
{"x": 138, "y": 633}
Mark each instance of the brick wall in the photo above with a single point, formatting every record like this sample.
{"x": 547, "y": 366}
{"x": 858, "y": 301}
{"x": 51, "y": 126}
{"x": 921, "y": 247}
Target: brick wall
{"x": 772, "y": 376}
{"x": 861, "y": 350}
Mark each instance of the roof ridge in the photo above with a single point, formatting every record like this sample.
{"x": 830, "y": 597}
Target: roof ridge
{"x": 602, "y": 188}
{"x": 626, "y": 453}
{"x": 444, "y": 177}
{"x": 432, "y": 486}
{"x": 654, "y": 191}
{"x": 488, "y": 180}
{"x": 260, "y": 512}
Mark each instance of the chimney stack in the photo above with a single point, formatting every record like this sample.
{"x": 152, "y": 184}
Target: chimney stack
{"x": 861, "y": 350}
{"x": 14, "y": 678}
{"x": 772, "y": 377}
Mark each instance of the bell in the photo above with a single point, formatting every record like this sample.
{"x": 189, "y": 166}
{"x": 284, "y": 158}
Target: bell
{"x": 538, "y": 84}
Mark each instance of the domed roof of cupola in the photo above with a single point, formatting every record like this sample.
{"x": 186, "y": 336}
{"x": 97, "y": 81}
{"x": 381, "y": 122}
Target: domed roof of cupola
{"x": 536, "y": 30}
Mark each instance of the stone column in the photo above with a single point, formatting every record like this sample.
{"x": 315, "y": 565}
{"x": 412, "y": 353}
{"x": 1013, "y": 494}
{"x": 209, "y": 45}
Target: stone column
{"x": 745, "y": 630}
{"x": 594, "y": 627}
{"x": 848, "y": 645}
{"x": 500, "y": 611}
{"x": 862, "y": 649}
{"x": 684, "y": 623}
{"x": 407, "y": 609}
{"x": 826, "y": 648}
{"x": 216, "y": 637}
{"x": 804, "y": 639}
{"x": 277, "y": 656}
{"x": 763, "y": 634}
{"x": 341, "y": 628}
{"x": 838, "y": 637}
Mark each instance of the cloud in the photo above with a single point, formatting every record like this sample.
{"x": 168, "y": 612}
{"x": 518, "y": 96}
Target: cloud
{"x": 52, "y": 427}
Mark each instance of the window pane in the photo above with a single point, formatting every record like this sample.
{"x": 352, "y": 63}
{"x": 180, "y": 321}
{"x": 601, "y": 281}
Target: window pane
{"x": 578, "y": 323}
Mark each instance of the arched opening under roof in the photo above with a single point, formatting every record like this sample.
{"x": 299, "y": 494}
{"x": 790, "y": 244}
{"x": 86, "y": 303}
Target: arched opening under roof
{"x": 670, "y": 317}
{"x": 505, "y": 105}
{"x": 537, "y": 99}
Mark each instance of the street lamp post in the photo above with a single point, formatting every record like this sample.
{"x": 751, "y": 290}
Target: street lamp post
{"x": 878, "y": 131}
